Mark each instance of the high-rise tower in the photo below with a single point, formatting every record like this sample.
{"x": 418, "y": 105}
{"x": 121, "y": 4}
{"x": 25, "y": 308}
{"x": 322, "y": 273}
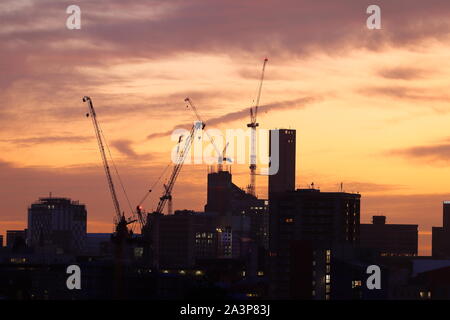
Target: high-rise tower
{"x": 282, "y": 160}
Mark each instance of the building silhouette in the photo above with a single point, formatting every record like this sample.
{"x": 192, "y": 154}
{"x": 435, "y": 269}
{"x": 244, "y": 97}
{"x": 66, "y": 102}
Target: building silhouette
{"x": 15, "y": 238}
{"x": 57, "y": 224}
{"x": 441, "y": 235}
{"x": 240, "y": 214}
{"x": 309, "y": 231}
{"x": 389, "y": 239}
{"x": 282, "y": 160}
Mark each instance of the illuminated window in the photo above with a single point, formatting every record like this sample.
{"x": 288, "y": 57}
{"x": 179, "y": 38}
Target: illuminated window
{"x": 252, "y": 295}
{"x": 328, "y": 256}
{"x": 138, "y": 252}
{"x": 356, "y": 283}
{"x": 18, "y": 260}
{"x": 260, "y": 273}
{"x": 327, "y": 288}
{"x": 289, "y": 220}
{"x": 327, "y": 278}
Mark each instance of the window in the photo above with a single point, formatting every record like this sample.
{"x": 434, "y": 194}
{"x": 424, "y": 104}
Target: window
{"x": 327, "y": 278}
{"x": 356, "y": 283}
{"x": 328, "y": 256}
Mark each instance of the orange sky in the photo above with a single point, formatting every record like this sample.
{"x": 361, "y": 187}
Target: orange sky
{"x": 370, "y": 106}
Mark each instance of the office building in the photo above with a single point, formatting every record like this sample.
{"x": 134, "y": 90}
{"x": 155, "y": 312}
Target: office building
{"x": 57, "y": 223}
{"x": 309, "y": 229}
{"x": 389, "y": 239}
{"x": 15, "y": 238}
{"x": 180, "y": 239}
{"x": 98, "y": 244}
{"x": 441, "y": 235}
{"x": 282, "y": 160}
{"x": 240, "y": 213}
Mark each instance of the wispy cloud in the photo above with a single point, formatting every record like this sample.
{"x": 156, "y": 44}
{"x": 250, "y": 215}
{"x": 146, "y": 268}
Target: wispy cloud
{"x": 405, "y": 93}
{"x": 434, "y": 154}
{"x": 402, "y": 73}
{"x": 48, "y": 140}
{"x": 244, "y": 113}
{"x": 125, "y": 148}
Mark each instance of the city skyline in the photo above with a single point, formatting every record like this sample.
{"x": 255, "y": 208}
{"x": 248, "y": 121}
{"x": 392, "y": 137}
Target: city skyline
{"x": 369, "y": 106}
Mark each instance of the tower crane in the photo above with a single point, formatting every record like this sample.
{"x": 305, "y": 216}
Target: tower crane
{"x": 119, "y": 219}
{"x": 181, "y": 157}
{"x": 222, "y": 158}
{"x": 253, "y": 124}
{"x": 211, "y": 139}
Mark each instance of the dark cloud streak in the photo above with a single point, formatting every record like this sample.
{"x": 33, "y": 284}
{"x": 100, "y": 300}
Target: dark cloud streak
{"x": 244, "y": 113}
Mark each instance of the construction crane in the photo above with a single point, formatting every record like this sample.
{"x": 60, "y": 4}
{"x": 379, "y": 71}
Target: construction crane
{"x": 119, "y": 219}
{"x": 253, "y": 124}
{"x": 181, "y": 157}
{"x": 197, "y": 115}
{"x": 222, "y": 158}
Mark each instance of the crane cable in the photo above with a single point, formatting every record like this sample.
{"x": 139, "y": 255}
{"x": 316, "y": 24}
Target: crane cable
{"x": 154, "y": 184}
{"x": 115, "y": 169}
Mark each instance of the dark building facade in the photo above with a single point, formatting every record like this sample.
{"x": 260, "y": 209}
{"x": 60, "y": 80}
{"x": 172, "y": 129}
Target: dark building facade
{"x": 15, "y": 238}
{"x": 389, "y": 239}
{"x": 239, "y": 212}
{"x": 309, "y": 230}
{"x": 282, "y": 160}
{"x": 57, "y": 223}
{"x": 180, "y": 239}
{"x": 441, "y": 235}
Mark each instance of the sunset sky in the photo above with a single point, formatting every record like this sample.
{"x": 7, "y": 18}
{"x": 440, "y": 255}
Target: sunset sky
{"x": 371, "y": 107}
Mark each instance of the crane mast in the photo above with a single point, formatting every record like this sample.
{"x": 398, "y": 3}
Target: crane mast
{"x": 181, "y": 157}
{"x": 252, "y": 125}
{"x": 101, "y": 145}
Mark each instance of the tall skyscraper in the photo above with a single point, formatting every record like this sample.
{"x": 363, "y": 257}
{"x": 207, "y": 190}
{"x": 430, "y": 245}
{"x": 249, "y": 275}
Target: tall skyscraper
{"x": 441, "y": 235}
{"x": 282, "y": 157}
{"x": 59, "y": 223}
